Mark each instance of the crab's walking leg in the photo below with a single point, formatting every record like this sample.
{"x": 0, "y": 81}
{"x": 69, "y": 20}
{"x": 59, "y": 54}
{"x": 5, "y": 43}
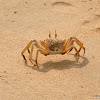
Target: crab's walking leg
{"x": 37, "y": 58}
{"x": 68, "y": 43}
{"x": 30, "y": 56}
{"x": 27, "y": 48}
{"x": 42, "y": 51}
{"x": 70, "y": 48}
{"x": 79, "y": 43}
{"x": 28, "y": 51}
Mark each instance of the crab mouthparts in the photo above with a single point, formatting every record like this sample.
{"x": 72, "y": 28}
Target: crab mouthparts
{"x": 53, "y": 48}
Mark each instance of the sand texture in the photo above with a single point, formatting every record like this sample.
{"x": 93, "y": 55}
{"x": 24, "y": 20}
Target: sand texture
{"x": 60, "y": 77}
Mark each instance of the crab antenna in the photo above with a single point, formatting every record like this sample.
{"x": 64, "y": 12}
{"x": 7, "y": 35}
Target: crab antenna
{"x": 49, "y": 34}
{"x": 55, "y": 34}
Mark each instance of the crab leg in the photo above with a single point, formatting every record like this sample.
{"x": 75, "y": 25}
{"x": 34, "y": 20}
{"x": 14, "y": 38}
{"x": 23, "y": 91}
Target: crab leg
{"x": 27, "y": 48}
{"x": 68, "y": 43}
{"x": 30, "y": 56}
{"x": 80, "y": 44}
{"x": 42, "y": 51}
{"x": 36, "y": 58}
{"x": 70, "y": 48}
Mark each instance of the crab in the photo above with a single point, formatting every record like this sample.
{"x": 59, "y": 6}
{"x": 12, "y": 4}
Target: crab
{"x": 52, "y": 46}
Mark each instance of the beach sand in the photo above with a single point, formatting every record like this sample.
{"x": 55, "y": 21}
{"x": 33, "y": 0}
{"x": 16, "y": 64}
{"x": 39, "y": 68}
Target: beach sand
{"x": 60, "y": 77}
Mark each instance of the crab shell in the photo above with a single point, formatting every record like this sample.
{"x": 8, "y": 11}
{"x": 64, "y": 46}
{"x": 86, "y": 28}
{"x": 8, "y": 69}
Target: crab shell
{"x": 53, "y": 46}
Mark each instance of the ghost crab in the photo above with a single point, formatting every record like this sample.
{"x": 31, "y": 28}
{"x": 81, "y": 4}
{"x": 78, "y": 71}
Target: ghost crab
{"x": 52, "y": 46}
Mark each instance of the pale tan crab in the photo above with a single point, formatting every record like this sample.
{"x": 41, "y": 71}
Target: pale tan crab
{"x": 52, "y": 46}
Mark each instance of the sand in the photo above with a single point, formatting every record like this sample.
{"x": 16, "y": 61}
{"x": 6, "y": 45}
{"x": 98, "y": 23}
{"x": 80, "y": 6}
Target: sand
{"x": 60, "y": 77}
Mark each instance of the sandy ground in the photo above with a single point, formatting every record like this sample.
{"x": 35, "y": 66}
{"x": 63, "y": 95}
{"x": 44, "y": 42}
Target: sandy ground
{"x": 60, "y": 77}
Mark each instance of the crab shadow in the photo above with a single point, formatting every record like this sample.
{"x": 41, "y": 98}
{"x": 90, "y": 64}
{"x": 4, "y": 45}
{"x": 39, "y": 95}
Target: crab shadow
{"x": 64, "y": 64}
